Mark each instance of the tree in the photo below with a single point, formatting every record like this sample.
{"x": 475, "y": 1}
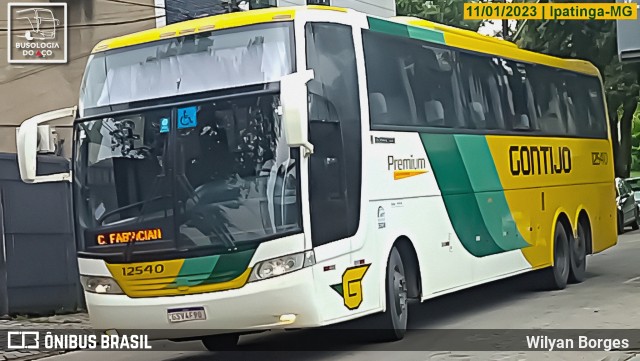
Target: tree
{"x": 594, "y": 41}
{"x": 448, "y": 12}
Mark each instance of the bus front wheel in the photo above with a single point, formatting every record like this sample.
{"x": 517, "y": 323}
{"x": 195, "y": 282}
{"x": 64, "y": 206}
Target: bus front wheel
{"x": 392, "y": 324}
{"x": 224, "y": 342}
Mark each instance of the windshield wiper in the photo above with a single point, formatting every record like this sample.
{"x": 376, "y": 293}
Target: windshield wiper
{"x": 130, "y": 206}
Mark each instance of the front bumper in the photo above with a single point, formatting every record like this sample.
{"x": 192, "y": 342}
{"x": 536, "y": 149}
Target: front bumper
{"x": 256, "y": 306}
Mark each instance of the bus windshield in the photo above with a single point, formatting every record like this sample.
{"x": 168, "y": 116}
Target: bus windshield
{"x": 214, "y": 174}
{"x": 221, "y": 59}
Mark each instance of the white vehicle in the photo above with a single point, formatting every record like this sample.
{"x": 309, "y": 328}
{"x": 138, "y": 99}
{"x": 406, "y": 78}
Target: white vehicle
{"x": 300, "y": 167}
{"x": 43, "y": 23}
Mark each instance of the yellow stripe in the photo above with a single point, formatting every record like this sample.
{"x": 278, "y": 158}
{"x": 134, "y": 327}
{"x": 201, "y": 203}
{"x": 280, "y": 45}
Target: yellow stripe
{"x": 330, "y": 8}
{"x": 401, "y": 174}
{"x": 154, "y": 284}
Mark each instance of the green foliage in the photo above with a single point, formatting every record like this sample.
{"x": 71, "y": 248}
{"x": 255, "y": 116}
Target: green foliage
{"x": 635, "y": 141}
{"x": 449, "y": 12}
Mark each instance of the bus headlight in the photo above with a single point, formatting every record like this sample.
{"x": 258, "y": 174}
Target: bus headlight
{"x": 281, "y": 265}
{"x": 103, "y": 285}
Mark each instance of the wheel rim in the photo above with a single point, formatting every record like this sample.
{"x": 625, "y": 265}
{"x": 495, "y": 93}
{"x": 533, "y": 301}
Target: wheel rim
{"x": 400, "y": 294}
{"x": 579, "y": 246}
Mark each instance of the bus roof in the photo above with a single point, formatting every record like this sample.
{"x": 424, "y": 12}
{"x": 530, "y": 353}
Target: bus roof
{"x": 452, "y": 36}
{"x": 215, "y": 22}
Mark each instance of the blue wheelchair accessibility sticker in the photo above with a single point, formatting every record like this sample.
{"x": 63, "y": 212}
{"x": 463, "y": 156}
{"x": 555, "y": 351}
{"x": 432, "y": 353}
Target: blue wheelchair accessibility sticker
{"x": 187, "y": 117}
{"x": 164, "y": 125}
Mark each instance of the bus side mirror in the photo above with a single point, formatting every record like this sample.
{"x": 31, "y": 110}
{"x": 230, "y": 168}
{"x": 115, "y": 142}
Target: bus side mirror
{"x": 27, "y": 144}
{"x": 295, "y": 109}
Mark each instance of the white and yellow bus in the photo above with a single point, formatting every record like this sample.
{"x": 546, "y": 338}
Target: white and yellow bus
{"x": 300, "y": 167}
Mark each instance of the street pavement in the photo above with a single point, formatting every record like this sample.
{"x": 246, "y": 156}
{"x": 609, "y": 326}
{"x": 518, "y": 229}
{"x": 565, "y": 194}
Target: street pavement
{"x": 608, "y": 299}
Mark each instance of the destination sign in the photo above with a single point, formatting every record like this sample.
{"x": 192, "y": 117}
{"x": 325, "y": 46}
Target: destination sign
{"x": 130, "y": 236}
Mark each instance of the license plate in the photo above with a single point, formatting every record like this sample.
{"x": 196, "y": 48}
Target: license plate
{"x": 186, "y": 314}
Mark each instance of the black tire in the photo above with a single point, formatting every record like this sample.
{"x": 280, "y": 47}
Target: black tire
{"x": 392, "y": 324}
{"x": 636, "y": 222}
{"x": 223, "y": 342}
{"x": 558, "y": 275}
{"x": 620, "y": 223}
{"x": 578, "y": 248}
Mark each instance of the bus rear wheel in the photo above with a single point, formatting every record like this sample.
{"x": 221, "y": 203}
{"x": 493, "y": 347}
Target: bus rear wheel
{"x": 223, "y": 342}
{"x": 578, "y": 246}
{"x": 558, "y": 275}
{"x": 392, "y": 324}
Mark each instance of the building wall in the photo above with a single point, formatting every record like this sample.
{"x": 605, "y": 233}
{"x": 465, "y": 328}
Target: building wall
{"x": 28, "y": 90}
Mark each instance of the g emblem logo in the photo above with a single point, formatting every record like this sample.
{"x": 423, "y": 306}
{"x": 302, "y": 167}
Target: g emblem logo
{"x": 351, "y": 287}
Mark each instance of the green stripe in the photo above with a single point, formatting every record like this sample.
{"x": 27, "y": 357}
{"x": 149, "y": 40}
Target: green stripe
{"x": 388, "y": 27}
{"x": 212, "y": 269}
{"x": 195, "y": 270}
{"x": 230, "y": 266}
{"x": 490, "y": 197}
{"x": 426, "y": 34}
{"x": 472, "y": 193}
{"x": 406, "y": 31}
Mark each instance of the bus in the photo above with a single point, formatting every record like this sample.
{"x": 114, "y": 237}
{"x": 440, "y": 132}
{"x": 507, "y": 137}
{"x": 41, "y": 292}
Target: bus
{"x": 299, "y": 167}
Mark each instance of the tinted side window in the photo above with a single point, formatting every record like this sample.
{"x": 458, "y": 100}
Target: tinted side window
{"x": 335, "y": 131}
{"x": 549, "y": 106}
{"x": 520, "y": 102}
{"x": 414, "y": 83}
{"x": 597, "y": 123}
{"x": 483, "y": 88}
{"x": 411, "y": 83}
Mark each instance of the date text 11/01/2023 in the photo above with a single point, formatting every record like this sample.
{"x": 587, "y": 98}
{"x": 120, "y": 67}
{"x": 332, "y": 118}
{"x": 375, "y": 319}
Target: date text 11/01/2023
{"x": 555, "y": 11}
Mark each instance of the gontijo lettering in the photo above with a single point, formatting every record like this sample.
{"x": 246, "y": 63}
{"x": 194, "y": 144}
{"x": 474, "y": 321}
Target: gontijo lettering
{"x": 537, "y": 160}
{"x": 130, "y": 236}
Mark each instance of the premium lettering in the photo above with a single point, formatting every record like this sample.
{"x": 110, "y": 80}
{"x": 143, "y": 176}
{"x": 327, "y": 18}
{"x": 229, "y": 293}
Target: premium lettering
{"x": 405, "y": 163}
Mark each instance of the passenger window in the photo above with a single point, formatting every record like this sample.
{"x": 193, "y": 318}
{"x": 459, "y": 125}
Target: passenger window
{"x": 415, "y": 83}
{"x": 483, "y": 90}
{"x": 520, "y": 100}
{"x": 596, "y": 110}
{"x": 548, "y": 91}
{"x": 411, "y": 83}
